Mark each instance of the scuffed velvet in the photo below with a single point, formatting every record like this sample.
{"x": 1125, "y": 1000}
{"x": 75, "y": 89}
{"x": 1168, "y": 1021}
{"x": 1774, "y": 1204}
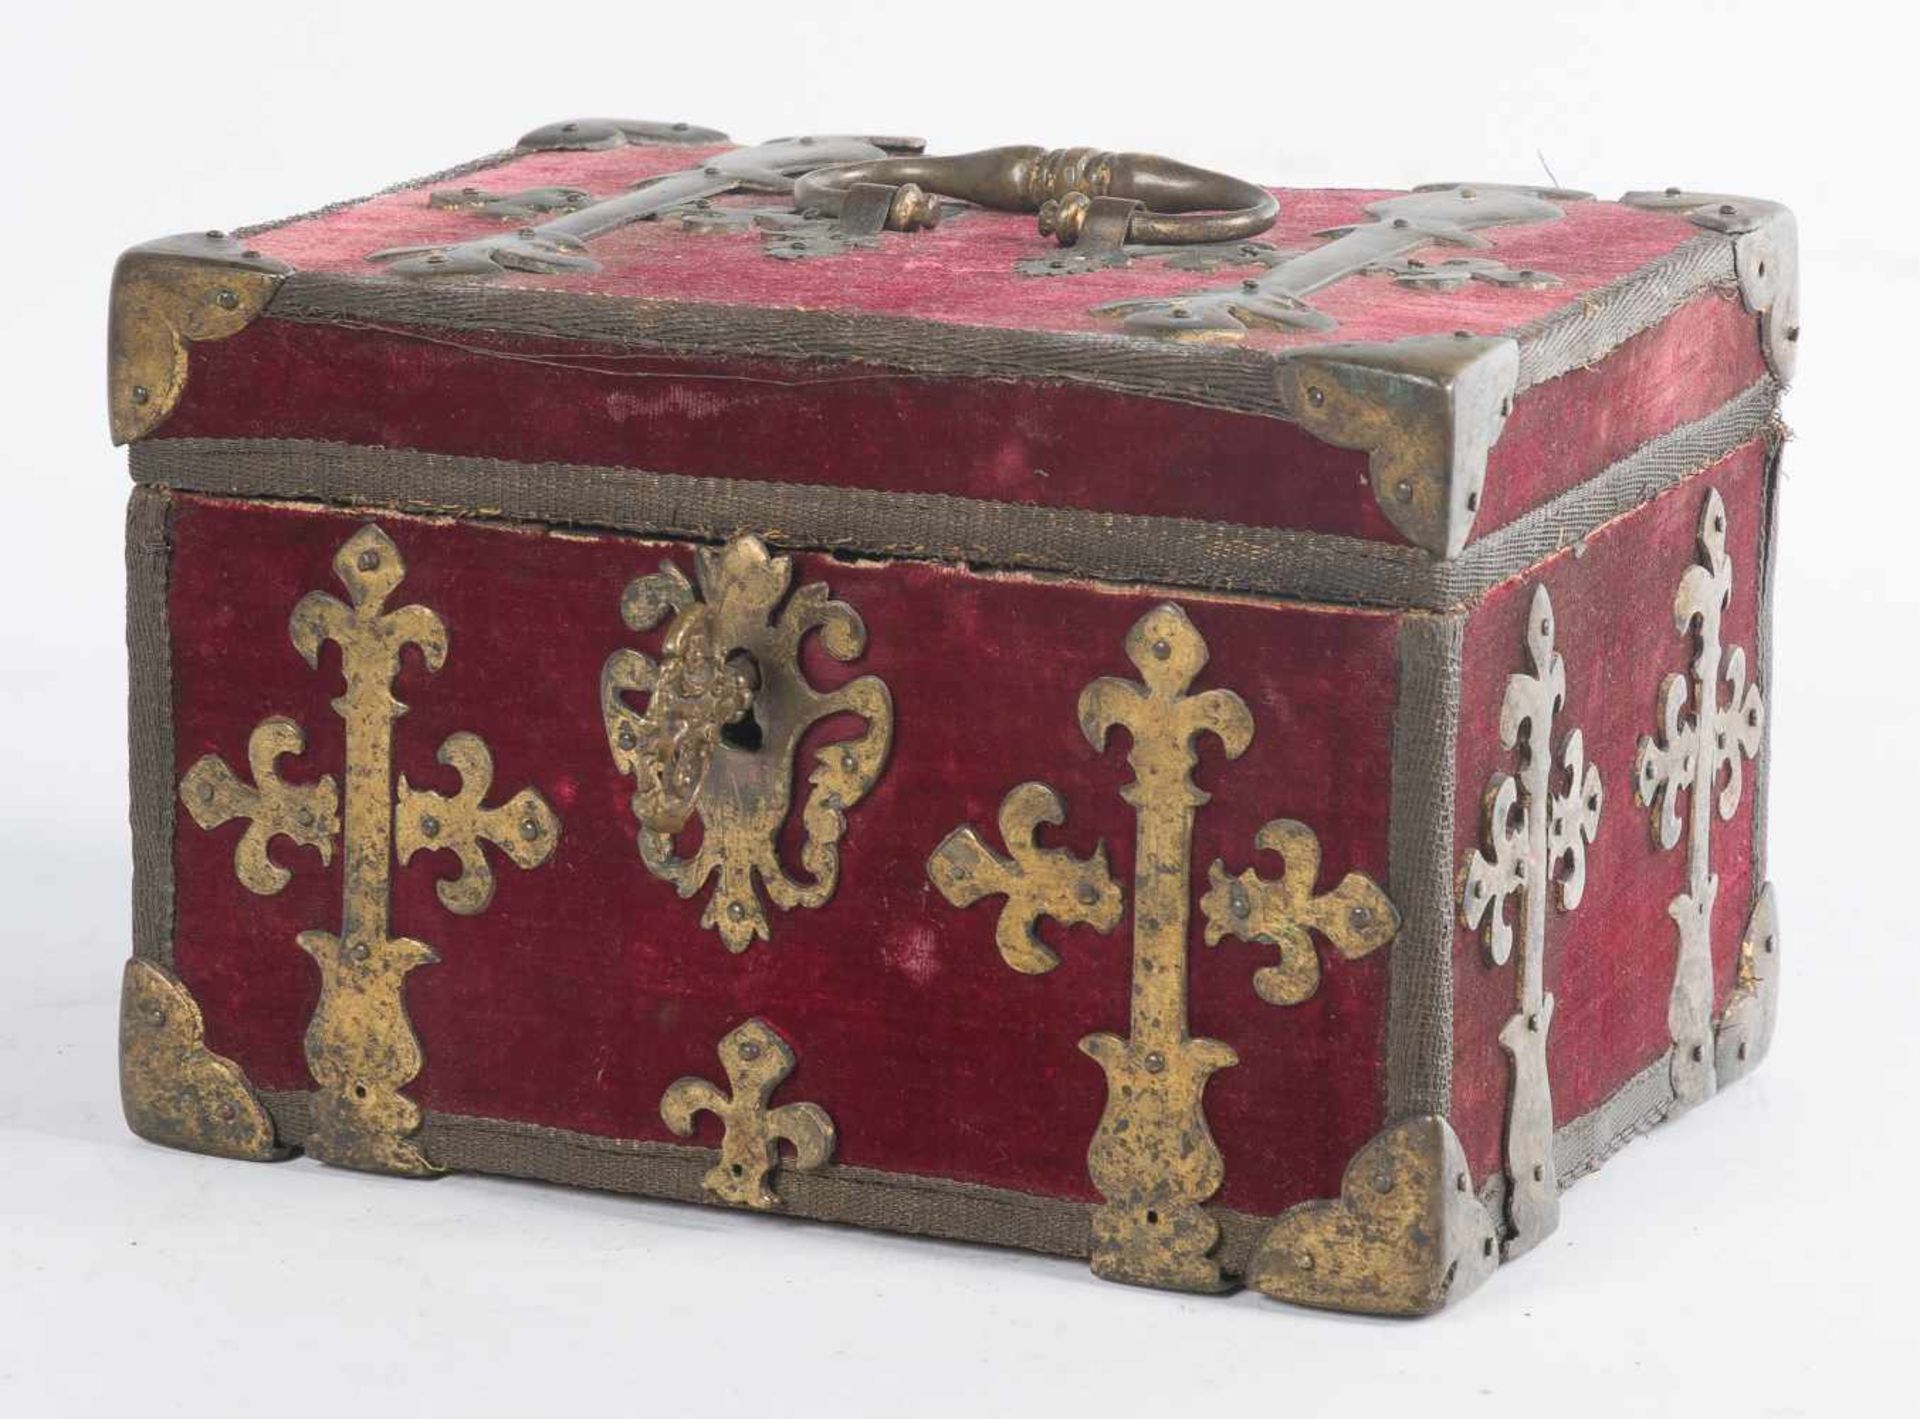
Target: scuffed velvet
{"x": 835, "y": 425}
{"x": 1609, "y": 962}
{"x": 588, "y": 985}
{"x": 1041, "y": 444}
{"x": 1568, "y": 429}
{"x": 963, "y": 271}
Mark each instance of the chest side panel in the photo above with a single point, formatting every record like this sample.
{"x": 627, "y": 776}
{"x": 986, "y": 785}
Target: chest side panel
{"x": 588, "y": 985}
{"x": 1611, "y": 960}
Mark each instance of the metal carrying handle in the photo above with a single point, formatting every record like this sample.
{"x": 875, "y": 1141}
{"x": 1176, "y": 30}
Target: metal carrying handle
{"x": 1082, "y": 195}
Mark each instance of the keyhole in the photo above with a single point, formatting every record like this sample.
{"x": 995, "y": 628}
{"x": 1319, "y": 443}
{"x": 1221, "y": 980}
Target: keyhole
{"x": 745, "y": 732}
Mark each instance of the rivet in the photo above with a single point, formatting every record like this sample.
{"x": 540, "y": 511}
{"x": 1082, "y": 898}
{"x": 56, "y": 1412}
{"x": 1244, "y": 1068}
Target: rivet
{"x": 1463, "y": 334}
{"x": 1249, "y": 284}
{"x": 1486, "y": 1247}
{"x": 710, "y": 171}
{"x": 1156, "y": 1062}
{"x": 749, "y": 1049}
{"x": 140, "y": 395}
{"x": 530, "y": 828}
{"x": 216, "y": 236}
{"x": 1726, "y": 209}
{"x": 435, "y": 259}
{"x": 359, "y": 951}
{"x": 156, "y": 1016}
{"x": 227, "y": 1113}
{"x": 429, "y": 827}
{"x": 1087, "y": 893}
{"x": 1180, "y": 312}
{"x": 1539, "y": 1172}
{"x": 626, "y": 738}
{"x": 1316, "y": 396}
{"x": 679, "y": 128}
{"x": 249, "y": 255}
{"x": 1400, "y": 223}
{"x": 1460, "y": 1183}
{"x": 1742, "y": 1051}
{"x": 369, "y": 560}
{"x": 1673, "y": 192}
{"x": 1403, "y": 490}
{"x": 848, "y": 763}
{"x": 1360, "y": 916}
{"x": 569, "y": 128}
{"x": 806, "y": 142}
{"x": 737, "y": 911}
{"x": 1533, "y": 1023}
{"x": 1161, "y": 650}
{"x": 1383, "y": 1182}
{"x": 1304, "y": 1261}
{"x": 1237, "y": 900}
{"x": 1697, "y": 1053}
{"x": 1468, "y": 193}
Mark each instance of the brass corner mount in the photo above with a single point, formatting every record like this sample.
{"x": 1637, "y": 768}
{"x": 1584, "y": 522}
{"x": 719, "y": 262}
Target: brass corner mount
{"x": 1426, "y": 410}
{"x": 175, "y": 1090}
{"x": 166, "y": 295}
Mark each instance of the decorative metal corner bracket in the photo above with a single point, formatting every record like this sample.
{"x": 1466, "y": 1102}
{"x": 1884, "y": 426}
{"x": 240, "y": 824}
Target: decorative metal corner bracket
{"x": 1534, "y": 834}
{"x": 168, "y": 294}
{"x": 1699, "y": 753}
{"x": 756, "y": 1061}
{"x": 557, "y": 246}
{"x": 1427, "y": 411}
{"x": 361, "y": 1049}
{"x": 1153, "y": 1157}
{"x": 1746, "y": 1026}
{"x": 727, "y": 705}
{"x": 173, "y": 1088}
{"x": 1277, "y": 298}
{"x": 1407, "y": 1234}
{"x": 1766, "y": 260}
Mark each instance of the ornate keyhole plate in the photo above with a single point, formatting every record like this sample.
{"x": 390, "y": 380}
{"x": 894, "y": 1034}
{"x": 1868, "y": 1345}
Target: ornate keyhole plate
{"x": 726, "y": 705}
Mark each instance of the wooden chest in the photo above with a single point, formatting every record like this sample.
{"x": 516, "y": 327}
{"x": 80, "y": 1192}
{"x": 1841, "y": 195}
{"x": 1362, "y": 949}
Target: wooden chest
{"x": 1217, "y": 731}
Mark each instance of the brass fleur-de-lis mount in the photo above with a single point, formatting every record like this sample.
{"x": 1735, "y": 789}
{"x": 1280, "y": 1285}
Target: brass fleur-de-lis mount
{"x": 756, "y": 1061}
{"x": 523, "y": 827}
{"x": 1699, "y": 752}
{"x": 1036, "y": 881}
{"x": 727, "y": 705}
{"x": 360, "y": 1046}
{"x": 1533, "y": 834}
{"x": 1153, "y": 1157}
{"x": 308, "y": 814}
{"x": 1355, "y": 916}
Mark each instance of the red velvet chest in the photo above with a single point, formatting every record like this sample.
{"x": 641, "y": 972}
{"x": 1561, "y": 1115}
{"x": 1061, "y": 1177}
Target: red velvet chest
{"x": 1223, "y": 741}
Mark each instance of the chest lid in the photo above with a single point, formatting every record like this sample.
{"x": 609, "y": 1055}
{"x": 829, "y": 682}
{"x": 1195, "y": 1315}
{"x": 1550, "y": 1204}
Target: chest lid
{"x": 1393, "y": 374}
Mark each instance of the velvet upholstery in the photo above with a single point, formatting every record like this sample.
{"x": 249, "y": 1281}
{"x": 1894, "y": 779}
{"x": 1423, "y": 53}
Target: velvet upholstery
{"x": 1609, "y": 961}
{"x": 588, "y": 985}
{"x": 963, "y": 271}
{"x": 1037, "y": 443}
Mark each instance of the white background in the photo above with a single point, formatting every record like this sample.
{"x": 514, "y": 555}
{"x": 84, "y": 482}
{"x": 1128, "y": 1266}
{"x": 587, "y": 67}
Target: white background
{"x": 1757, "y": 1258}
